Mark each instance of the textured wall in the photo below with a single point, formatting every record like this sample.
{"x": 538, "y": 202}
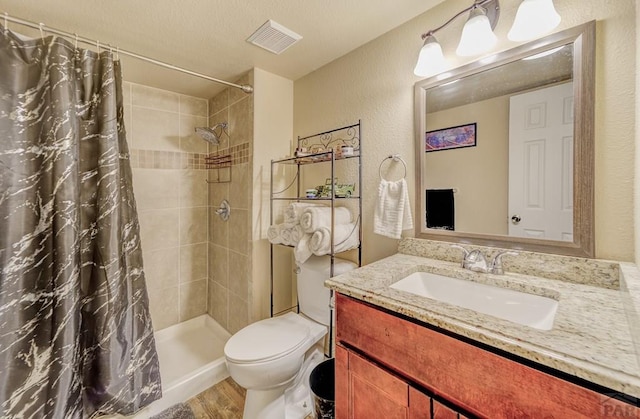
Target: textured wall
{"x": 375, "y": 83}
{"x": 273, "y": 125}
{"x": 171, "y": 196}
{"x": 637, "y": 160}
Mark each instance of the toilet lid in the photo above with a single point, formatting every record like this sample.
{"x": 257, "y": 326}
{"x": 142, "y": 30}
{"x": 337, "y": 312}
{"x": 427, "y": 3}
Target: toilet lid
{"x": 265, "y": 340}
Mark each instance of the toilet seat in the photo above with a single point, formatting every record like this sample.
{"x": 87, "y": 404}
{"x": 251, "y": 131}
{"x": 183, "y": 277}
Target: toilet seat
{"x": 266, "y": 340}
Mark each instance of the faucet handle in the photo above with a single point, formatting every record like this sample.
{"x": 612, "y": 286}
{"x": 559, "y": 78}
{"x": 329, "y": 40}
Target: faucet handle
{"x": 464, "y": 256}
{"x": 496, "y": 264}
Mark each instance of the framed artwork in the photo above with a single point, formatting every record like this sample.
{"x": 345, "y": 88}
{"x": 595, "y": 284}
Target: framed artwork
{"x": 448, "y": 138}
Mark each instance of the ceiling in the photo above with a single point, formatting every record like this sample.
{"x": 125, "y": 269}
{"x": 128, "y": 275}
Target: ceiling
{"x": 209, "y": 36}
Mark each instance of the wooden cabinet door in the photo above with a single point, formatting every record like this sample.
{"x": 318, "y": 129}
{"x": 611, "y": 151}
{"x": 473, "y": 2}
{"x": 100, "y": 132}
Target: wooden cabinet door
{"x": 371, "y": 391}
{"x": 342, "y": 382}
{"x": 422, "y": 406}
{"x": 419, "y": 405}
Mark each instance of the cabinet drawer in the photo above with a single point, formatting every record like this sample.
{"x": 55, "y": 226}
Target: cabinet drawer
{"x": 477, "y": 380}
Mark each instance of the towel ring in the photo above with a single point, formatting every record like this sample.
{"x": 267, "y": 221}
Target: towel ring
{"x": 396, "y": 158}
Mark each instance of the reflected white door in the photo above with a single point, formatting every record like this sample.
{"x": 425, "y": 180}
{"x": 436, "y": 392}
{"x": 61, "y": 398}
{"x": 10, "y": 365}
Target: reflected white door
{"x": 541, "y": 164}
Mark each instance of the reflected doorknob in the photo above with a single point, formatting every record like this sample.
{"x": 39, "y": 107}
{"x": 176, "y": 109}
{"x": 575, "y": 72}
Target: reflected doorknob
{"x": 516, "y": 219}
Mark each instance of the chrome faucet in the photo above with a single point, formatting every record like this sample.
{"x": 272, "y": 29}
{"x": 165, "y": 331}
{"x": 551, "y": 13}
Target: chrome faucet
{"x": 496, "y": 264}
{"x": 475, "y": 260}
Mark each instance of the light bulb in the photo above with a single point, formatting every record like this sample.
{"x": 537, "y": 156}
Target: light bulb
{"x": 431, "y": 60}
{"x": 533, "y": 19}
{"x": 477, "y": 35}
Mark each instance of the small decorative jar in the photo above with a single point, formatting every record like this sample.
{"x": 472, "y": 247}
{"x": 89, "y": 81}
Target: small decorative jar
{"x": 347, "y": 150}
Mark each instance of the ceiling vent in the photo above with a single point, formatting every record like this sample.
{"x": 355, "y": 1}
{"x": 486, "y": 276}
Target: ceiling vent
{"x": 274, "y": 37}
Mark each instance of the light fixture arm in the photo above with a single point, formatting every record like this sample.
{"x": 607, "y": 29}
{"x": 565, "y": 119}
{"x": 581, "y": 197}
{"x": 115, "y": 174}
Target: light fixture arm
{"x": 492, "y": 8}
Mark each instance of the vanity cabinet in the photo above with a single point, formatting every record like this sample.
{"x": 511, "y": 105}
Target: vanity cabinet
{"x": 388, "y": 366}
{"x": 374, "y": 392}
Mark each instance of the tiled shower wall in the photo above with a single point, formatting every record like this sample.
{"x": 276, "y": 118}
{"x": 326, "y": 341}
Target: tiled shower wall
{"x": 169, "y": 180}
{"x": 229, "y": 241}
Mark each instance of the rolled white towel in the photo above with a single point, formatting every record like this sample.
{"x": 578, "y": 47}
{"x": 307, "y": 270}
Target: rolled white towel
{"x": 274, "y": 233}
{"x": 291, "y": 235}
{"x": 294, "y": 210}
{"x": 345, "y": 237}
{"x": 320, "y": 217}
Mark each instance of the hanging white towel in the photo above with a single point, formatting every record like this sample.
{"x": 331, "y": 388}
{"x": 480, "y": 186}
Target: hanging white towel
{"x": 393, "y": 210}
{"x": 314, "y": 218}
{"x": 302, "y": 252}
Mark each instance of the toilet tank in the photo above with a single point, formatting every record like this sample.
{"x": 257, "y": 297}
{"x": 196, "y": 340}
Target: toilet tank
{"x": 313, "y": 296}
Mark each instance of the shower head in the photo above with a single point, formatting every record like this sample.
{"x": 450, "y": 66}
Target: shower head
{"x": 212, "y": 135}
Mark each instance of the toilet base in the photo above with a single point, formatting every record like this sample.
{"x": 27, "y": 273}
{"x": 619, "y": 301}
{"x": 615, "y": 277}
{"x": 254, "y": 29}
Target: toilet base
{"x": 264, "y": 404}
{"x": 290, "y": 401}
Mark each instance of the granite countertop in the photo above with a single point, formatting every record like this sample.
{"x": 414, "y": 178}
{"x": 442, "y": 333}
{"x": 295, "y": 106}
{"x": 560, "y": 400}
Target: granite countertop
{"x": 595, "y": 335}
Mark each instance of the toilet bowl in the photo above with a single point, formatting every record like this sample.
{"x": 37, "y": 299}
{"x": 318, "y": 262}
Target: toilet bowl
{"x": 270, "y": 352}
{"x": 267, "y": 356}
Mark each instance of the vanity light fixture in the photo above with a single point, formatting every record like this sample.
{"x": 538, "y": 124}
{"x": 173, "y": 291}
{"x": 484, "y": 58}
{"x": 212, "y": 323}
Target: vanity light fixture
{"x": 431, "y": 60}
{"x": 534, "y": 18}
{"x": 477, "y": 34}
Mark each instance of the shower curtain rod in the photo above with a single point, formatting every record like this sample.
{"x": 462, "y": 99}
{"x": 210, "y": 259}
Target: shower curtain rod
{"x": 6, "y": 18}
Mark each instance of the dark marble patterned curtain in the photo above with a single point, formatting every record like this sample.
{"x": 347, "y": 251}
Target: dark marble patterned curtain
{"x": 75, "y": 332}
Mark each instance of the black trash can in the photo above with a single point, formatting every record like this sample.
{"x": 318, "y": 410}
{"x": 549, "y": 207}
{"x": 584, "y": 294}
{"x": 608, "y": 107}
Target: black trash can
{"x": 322, "y": 383}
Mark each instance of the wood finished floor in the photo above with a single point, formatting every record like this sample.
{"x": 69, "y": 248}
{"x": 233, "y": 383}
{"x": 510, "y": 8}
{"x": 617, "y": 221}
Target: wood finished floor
{"x": 225, "y": 400}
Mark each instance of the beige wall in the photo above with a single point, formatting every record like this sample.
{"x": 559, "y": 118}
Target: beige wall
{"x": 637, "y": 131}
{"x": 273, "y": 133}
{"x": 375, "y": 83}
{"x": 229, "y": 241}
{"x": 171, "y": 196}
{"x": 481, "y": 203}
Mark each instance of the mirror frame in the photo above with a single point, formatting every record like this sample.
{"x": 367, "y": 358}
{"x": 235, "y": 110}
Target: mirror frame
{"x": 583, "y": 245}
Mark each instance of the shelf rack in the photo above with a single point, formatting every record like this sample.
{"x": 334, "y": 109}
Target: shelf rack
{"x": 329, "y": 142}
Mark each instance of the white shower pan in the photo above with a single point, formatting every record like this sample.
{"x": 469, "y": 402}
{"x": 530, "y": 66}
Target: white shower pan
{"x": 191, "y": 357}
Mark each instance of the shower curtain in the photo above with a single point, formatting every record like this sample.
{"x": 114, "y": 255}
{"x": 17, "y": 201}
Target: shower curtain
{"x": 75, "y": 333}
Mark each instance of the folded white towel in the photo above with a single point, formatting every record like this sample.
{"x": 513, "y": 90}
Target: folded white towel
{"x": 345, "y": 237}
{"x": 314, "y": 218}
{"x": 393, "y": 210}
{"x": 294, "y": 210}
{"x": 302, "y": 252}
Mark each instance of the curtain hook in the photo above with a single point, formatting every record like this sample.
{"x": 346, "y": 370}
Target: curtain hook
{"x": 41, "y": 26}
{"x": 98, "y": 46}
{"x": 6, "y": 26}
{"x": 117, "y": 53}
{"x": 75, "y": 45}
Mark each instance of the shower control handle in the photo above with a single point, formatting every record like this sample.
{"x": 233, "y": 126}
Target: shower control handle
{"x": 224, "y": 211}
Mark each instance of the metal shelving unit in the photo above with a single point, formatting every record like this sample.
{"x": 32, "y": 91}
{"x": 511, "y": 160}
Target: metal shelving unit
{"x": 328, "y": 142}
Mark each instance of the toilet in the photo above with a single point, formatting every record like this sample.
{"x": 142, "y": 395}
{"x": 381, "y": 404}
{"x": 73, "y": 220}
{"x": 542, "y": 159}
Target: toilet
{"x": 267, "y": 356}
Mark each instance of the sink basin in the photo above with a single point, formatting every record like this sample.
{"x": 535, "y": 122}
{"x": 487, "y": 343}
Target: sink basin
{"x": 518, "y": 307}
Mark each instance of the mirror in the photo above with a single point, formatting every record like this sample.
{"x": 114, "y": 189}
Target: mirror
{"x": 504, "y": 148}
